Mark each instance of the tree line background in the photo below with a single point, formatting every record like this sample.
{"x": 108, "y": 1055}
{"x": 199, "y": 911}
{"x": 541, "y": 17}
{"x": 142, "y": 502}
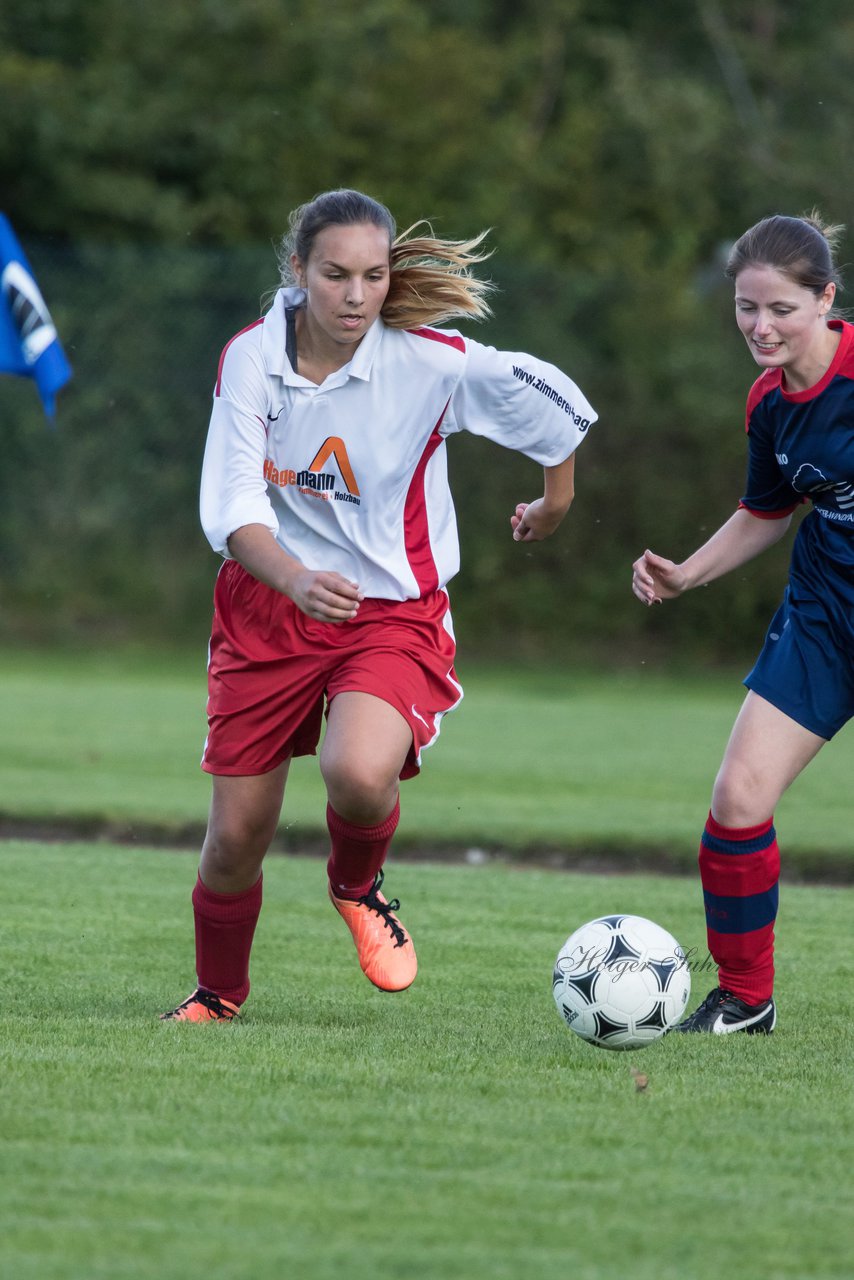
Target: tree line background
{"x": 150, "y": 154}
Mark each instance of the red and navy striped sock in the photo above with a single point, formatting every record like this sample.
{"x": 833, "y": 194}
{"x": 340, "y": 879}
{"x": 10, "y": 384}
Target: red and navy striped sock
{"x": 358, "y": 853}
{"x": 225, "y": 927}
{"x": 740, "y": 871}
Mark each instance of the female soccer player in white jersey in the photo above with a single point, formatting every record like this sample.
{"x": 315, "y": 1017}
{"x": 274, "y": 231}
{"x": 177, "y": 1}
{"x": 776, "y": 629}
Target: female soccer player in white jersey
{"x": 325, "y": 490}
{"x": 800, "y": 424}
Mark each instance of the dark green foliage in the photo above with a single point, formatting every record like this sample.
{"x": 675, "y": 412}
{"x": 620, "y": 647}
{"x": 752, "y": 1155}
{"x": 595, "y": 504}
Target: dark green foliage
{"x": 150, "y": 156}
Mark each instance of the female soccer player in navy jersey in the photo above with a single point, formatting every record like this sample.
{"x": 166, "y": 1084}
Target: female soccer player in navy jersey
{"x": 325, "y": 490}
{"x": 800, "y": 425}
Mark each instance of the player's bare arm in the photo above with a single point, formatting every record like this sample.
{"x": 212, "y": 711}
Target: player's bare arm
{"x": 326, "y": 596}
{"x": 744, "y": 536}
{"x": 536, "y": 520}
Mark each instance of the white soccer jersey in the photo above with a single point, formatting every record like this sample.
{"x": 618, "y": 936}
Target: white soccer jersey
{"x": 351, "y": 475}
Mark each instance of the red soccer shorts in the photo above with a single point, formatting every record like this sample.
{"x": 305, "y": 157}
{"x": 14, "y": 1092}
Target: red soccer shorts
{"x": 272, "y": 669}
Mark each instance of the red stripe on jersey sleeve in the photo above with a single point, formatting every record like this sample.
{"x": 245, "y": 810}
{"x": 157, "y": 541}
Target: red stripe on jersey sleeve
{"x": 254, "y": 325}
{"x": 436, "y": 335}
{"x": 416, "y": 531}
{"x": 763, "y": 386}
{"x": 772, "y": 515}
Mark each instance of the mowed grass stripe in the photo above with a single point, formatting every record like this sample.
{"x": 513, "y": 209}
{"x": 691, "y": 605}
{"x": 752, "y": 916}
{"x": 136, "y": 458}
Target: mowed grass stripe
{"x": 531, "y": 761}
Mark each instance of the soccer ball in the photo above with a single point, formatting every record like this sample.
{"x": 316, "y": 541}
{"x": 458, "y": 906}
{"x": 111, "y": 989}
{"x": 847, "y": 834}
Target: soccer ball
{"x": 621, "y": 982}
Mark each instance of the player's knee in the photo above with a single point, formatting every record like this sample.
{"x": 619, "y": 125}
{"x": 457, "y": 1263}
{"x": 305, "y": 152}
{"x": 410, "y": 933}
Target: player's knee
{"x": 741, "y": 797}
{"x": 231, "y": 845}
{"x": 359, "y": 792}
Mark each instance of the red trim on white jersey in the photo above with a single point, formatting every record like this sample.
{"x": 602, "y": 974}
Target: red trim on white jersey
{"x": 416, "y": 530}
{"x": 254, "y": 325}
{"x": 386, "y": 518}
{"x": 435, "y": 335}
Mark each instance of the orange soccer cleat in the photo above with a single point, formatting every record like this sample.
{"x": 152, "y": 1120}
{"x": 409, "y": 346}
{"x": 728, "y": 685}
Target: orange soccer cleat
{"x": 203, "y": 1006}
{"x": 386, "y": 953}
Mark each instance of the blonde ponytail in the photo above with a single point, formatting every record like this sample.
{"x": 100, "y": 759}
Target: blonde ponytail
{"x": 432, "y": 280}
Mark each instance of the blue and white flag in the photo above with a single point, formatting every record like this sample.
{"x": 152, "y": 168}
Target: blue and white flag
{"x": 29, "y": 346}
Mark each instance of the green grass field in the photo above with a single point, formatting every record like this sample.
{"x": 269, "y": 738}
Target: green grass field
{"x": 619, "y": 764}
{"x": 457, "y": 1131}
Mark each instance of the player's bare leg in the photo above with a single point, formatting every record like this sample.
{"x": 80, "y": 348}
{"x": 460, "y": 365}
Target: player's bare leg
{"x": 244, "y": 814}
{"x": 243, "y": 817}
{"x": 766, "y": 752}
{"x": 740, "y": 866}
{"x": 364, "y": 750}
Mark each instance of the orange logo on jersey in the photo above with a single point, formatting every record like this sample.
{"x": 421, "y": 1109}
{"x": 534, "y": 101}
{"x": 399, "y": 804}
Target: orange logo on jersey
{"x": 316, "y": 483}
{"x": 334, "y": 447}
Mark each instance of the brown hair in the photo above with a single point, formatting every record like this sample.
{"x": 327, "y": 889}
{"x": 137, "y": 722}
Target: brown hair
{"x": 800, "y": 248}
{"x": 431, "y": 279}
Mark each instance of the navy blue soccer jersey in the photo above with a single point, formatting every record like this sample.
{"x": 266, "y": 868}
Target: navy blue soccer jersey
{"x": 801, "y": 447}
{"x": 802, "y": 442}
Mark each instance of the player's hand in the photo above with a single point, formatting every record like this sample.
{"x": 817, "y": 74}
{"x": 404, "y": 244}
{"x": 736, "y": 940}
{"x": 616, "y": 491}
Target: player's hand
{"x": 655, "y": 579}
{"x": 328, "y": 597}
{"x": 534, "y": 521}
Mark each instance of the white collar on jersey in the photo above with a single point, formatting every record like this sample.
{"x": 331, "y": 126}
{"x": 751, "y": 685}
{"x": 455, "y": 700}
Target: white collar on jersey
{"x": 273, "y": 344}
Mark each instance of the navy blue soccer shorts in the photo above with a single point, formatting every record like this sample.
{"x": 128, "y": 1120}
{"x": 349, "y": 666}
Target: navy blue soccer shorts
{"x": 804, "y": 670}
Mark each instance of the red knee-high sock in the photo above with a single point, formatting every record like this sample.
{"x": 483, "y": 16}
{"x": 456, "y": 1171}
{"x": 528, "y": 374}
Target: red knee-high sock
{"x": 740, "y": 870}
{"x": 358, "y": 853}
{"x": 225, "y": 927}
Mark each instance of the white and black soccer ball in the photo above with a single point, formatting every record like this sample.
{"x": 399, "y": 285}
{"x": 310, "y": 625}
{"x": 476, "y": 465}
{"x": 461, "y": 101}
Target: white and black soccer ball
{"x": 621, "y": 982}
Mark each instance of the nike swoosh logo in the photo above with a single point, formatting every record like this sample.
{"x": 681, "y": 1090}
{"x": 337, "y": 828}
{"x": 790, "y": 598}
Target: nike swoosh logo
{"x": 721, "y": 1028}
